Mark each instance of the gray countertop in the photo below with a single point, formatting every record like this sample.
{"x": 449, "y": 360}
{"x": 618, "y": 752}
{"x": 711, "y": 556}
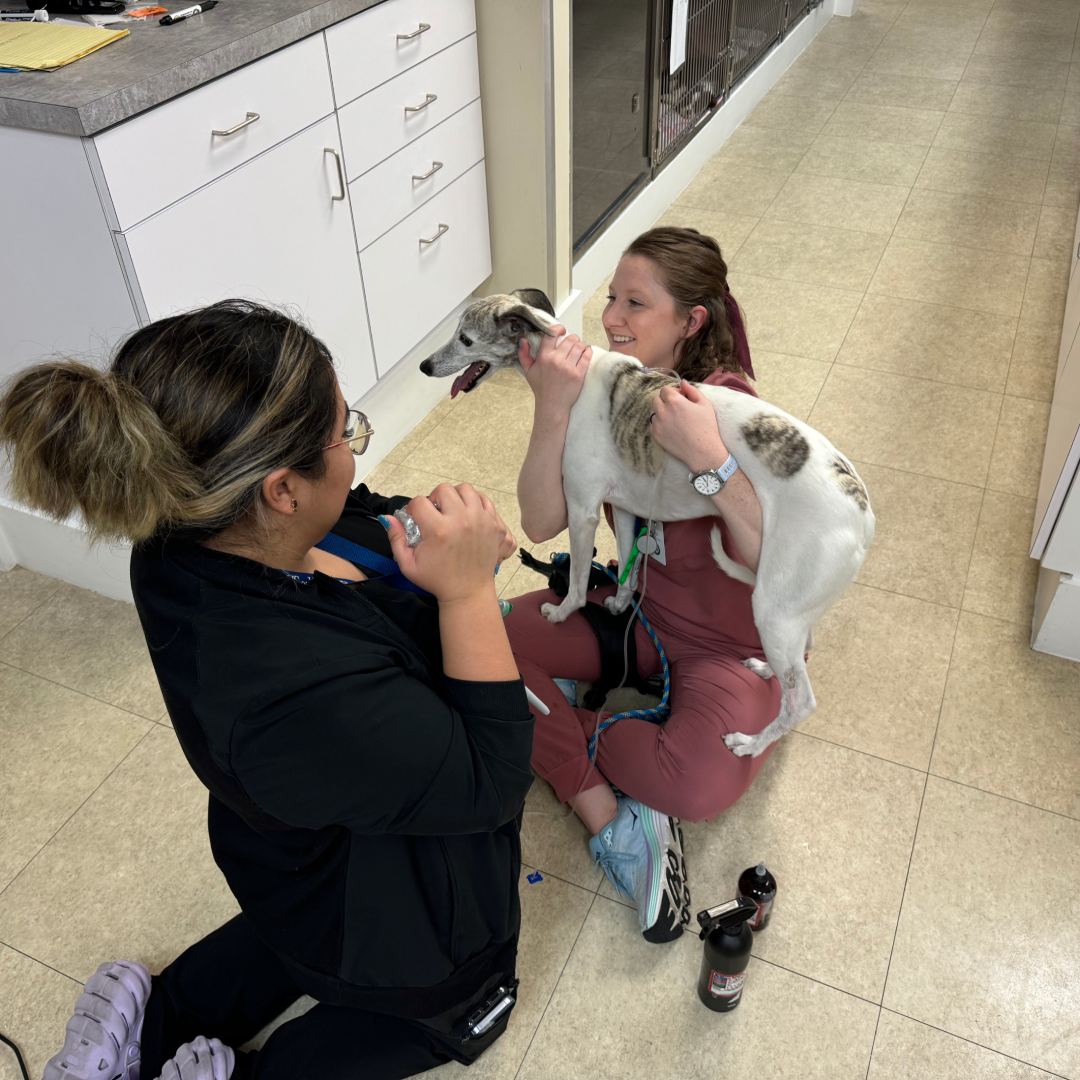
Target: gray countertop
{"x": 156, "y": 63}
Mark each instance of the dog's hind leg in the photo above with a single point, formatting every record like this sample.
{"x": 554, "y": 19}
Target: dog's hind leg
{"x": 785, "y": 644}
{"x": 582, "y": 534}
{"x": 762, "y": 669}
{"x": 624, "y": 540}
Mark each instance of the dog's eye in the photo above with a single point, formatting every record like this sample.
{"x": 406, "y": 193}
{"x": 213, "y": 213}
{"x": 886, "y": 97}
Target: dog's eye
{"x": 465, "y": 340}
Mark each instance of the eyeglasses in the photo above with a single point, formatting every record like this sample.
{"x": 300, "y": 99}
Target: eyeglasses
{"x": 358, "y": 432}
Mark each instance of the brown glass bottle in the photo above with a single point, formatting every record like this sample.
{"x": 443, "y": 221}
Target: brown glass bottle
{"x": 759, "y": 886}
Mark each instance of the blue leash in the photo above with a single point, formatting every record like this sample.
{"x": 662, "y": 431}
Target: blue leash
{"x": 658, "y": 713}
{"x": 386, "y": 568}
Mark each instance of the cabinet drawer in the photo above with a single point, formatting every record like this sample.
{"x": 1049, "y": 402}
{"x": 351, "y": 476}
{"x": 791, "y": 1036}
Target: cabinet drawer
{"x": 393, "y": 190}
{"x": 376, "y": 45}
{"x": 378, "y": 125}
{"x": 274, "y": 230}
{"x": 410, "y": 285}
{"x": 169, "y": 152}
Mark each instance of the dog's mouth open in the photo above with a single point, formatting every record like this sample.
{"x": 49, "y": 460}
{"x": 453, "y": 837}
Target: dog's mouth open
{"x": 468, "y": 379}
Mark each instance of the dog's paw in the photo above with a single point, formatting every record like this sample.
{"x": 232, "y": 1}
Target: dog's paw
{"x": 555, "y": 613}
{"x": 616, "y": 605}
{"x": 742, "y": 745}
{"x": 758, "y": 667}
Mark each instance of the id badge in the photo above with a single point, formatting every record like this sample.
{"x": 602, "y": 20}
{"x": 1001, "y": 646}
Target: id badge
{"x": 653, "y": 544}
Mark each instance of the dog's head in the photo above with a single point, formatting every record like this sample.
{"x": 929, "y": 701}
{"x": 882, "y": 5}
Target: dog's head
{"x": 487, "y": 337}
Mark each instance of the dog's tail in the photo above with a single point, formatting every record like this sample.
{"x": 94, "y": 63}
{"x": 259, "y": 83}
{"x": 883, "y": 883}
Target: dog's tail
{"x": 729, "y": 566}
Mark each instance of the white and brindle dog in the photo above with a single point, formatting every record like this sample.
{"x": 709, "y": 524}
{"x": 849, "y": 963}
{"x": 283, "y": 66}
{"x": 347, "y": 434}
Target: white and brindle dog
{"x": 817, "y": 524}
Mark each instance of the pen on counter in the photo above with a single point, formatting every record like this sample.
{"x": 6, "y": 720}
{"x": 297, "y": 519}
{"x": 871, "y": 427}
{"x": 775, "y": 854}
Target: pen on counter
{"x": 24, "y": 16}
{"x": 186, "y": 13}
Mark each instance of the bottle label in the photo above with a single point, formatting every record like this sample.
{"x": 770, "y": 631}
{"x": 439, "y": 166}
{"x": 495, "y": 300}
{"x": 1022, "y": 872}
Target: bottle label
{"x": 724, "y": 986}
{"x": 763, "y": 909}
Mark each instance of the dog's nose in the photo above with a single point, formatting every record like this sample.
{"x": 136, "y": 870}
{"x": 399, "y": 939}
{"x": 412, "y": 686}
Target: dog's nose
{"x": 425, "y": 367}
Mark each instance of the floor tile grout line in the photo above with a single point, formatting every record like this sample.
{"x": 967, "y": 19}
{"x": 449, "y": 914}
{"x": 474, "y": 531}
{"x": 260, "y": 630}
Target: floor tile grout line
{"x": 1074, "y": 818}
{"x": 555, "y": 987}
{"x": 866, "y": 292}
{"x": 973, "y": 1042}
{"x": 37, "y": 607}
{"x": 814, "y": 979}
{"x": 34, "y": 959}
{"x": 56, "y": 832}
{"x": 76, "y": 690}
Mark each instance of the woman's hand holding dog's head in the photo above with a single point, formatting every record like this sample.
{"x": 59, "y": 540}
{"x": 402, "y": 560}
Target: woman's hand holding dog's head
{"x": 462, "y": 538}
{"x": 557, "y": 372}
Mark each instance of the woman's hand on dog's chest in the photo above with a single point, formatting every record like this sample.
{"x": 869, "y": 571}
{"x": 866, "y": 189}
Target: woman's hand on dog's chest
{"x": 684, "y": 424}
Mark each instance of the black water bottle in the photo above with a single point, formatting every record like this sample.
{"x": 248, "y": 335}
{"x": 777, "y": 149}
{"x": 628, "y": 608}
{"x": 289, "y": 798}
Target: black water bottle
{"x": 758, "y": 885}
{"x": 727, "y": 953}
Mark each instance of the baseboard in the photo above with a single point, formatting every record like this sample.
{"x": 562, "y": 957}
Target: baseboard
{"x": 1055, "y": 627}
{"x": 592, "y": 269}
{"x": 61, "y": 549}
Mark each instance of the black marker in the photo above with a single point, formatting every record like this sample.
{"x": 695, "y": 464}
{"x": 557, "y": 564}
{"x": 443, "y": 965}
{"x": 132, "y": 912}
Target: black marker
{"x": 198, "y": 9}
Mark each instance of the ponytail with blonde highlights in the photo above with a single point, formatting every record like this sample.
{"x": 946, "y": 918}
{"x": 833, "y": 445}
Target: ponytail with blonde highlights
{"x": 179, "y": 433}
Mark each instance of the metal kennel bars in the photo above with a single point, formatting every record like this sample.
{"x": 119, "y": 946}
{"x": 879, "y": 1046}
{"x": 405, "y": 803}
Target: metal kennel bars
{"x": 725, "y": 39}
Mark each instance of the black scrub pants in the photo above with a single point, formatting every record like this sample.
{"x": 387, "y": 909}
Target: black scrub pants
{"x": 231, "y": 985}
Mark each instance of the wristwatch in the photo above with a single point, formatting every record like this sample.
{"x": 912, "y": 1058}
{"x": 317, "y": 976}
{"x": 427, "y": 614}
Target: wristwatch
{"x": 712, "y": 481}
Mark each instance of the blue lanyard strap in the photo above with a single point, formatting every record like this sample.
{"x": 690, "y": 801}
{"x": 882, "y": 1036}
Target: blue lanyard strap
{"x": 368, "y": 560}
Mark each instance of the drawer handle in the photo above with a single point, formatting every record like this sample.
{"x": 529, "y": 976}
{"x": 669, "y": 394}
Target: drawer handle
{"x": 421, "y": 28}
{"x": 340, "y": 173}
{"x": 431, "y": 239}
{"x": 248, "y": 120}
{"x": 435, "y": 167}
{"x": 428, "y": 99}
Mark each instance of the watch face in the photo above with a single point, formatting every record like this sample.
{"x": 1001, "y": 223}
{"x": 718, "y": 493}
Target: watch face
{"x": 707, "y": 483}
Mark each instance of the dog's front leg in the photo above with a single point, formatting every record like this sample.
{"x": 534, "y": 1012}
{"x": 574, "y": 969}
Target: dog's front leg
{"x": 582, "y": 528}
{"x": 624, "y": 540}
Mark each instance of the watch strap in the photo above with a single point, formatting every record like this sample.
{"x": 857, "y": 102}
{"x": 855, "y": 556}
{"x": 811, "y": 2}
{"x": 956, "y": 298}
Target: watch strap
{"x": 723, "y": 473}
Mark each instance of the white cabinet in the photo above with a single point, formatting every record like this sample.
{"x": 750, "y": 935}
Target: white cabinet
{"x": 162, "y": 155}
{"x": 392, "y": 116}
{"x": 403, "y": 183}
{"x": 420, "y": 270}
{"x": 376, "y": 45}
{"x": 1056, "y": 535}
{"x": 277, "y": 229}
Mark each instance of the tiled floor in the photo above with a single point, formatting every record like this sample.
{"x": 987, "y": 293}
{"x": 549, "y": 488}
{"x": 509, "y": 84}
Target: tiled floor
{"x": 897, "y": 215}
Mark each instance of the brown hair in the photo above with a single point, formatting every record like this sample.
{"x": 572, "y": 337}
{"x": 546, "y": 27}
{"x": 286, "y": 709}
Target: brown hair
{"x": 179, "y": 433}
{"x": 692, "y": 269}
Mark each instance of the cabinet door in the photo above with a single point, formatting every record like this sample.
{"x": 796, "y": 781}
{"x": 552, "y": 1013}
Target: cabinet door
{"x": 272, "y": 231}
{"x": 423, "y": 268}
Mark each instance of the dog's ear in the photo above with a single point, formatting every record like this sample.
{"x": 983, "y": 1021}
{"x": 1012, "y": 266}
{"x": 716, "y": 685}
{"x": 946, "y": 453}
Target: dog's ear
{"x": 536, "y": 298}
{"x": 518, "y": 321}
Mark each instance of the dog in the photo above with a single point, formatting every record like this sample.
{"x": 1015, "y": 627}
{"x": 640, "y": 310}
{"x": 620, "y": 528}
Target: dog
{"x": 817, "y": 524}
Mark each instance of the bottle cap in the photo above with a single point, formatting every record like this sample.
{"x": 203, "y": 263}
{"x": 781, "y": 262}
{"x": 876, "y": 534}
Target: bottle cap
{"x": 761, "y": 870}
{"x": 728, "y": 917}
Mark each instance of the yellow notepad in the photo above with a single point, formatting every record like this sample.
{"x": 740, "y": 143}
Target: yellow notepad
{"x": 42, "y": 47}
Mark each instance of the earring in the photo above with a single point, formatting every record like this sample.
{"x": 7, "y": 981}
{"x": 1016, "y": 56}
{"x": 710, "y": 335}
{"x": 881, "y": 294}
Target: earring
{"x": 295, "y": 506}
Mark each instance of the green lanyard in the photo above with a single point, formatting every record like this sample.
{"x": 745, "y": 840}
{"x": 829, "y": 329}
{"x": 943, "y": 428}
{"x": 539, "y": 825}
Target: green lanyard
{"x": 635, "y": 554}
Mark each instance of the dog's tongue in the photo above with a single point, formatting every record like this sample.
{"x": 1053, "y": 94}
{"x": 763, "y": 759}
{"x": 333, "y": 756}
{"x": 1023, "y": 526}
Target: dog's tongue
{"x": 465, "y": 380}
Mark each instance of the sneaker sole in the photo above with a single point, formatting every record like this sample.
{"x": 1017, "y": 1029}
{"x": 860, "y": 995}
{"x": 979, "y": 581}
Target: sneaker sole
{"x": 107, "y": 1016}
{"x": 667, "y": 897}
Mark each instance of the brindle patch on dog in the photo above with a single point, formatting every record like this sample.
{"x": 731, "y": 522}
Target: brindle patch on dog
{"x": 778, "y": 442}
{"x": 850, "y": 484}
{"x": 633, "y": 393}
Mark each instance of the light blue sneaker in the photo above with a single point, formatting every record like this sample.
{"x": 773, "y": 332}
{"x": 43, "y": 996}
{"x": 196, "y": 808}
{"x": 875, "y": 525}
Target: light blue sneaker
{"x": 640, "y": 851}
